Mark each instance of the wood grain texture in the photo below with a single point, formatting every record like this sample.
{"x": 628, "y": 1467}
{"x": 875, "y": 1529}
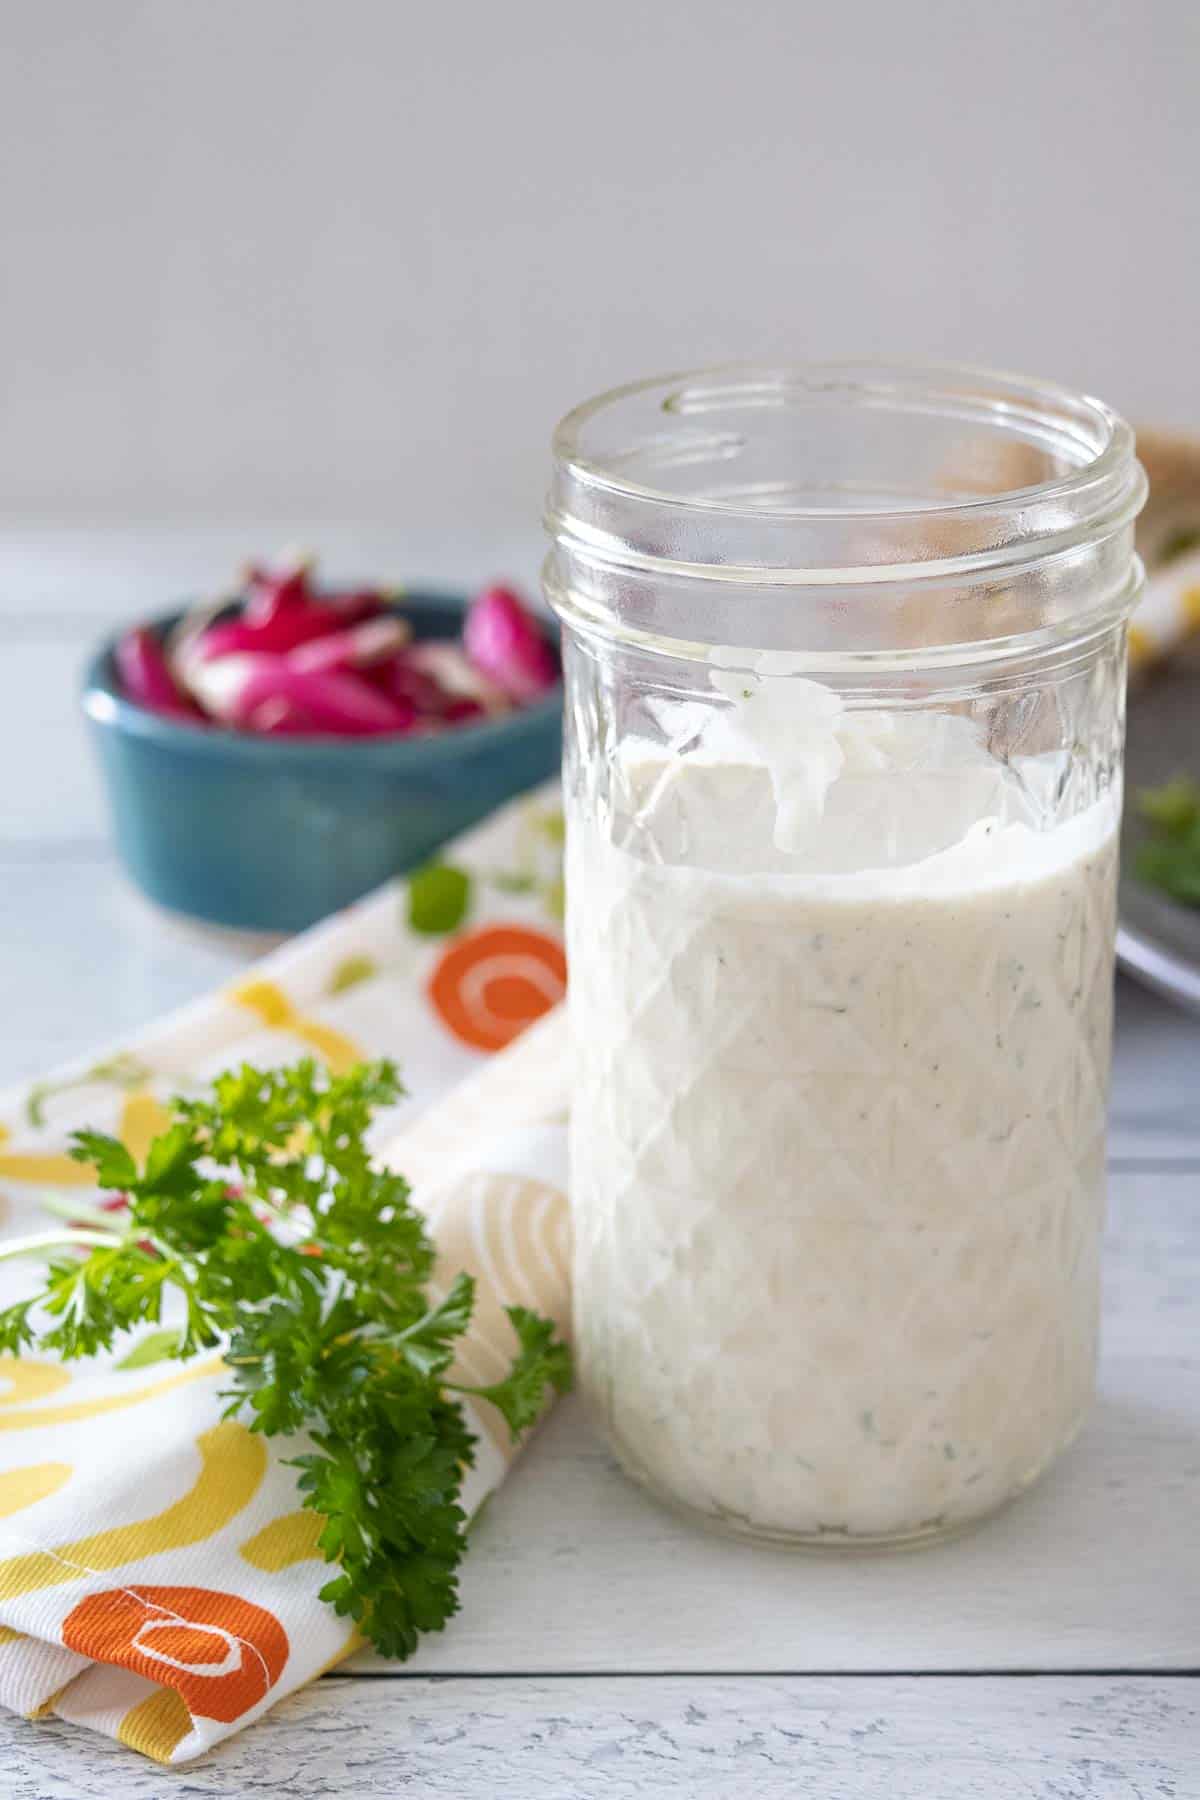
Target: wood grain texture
{"x": 620, "y": 1738}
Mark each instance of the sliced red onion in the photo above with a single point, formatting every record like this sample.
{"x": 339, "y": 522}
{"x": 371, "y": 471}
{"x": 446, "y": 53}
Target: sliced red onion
{"x": 408, "y": 685}
{"x": 502, "y": 639}
{"x": 260, "y": 692}
{"x": 219, "y": 684}
{"x": 146, "y": 678}
{"x": 279, "y": 632}
{"x": 461, "y": 708}
{"x": 274, "y": 636}
{"x": 457, "y": 712}
{"x": 269, "y": 594}
{"x": 181, "y": 646}
{"x": 358, "y": 603}
{"x": 444, "y": 663}
{"x": 336, "y": 702}
{"x": 290, "y": 661}
{"x": 356, "y": 647}
{"x": 284, "y": 716}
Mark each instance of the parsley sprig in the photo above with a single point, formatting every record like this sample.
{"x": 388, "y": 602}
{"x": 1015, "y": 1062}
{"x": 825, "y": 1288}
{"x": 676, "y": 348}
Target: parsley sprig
{"x": 261, "y": 1209}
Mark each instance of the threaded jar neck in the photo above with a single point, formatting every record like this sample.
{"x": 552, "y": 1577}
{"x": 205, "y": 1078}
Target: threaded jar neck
{"x": 844, "y": 509}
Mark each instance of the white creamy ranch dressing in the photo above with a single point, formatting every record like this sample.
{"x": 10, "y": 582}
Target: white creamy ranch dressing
{"x": 842, "y": 1017}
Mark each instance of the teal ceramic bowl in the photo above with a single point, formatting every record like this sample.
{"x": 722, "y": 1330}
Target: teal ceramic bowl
{"x": 271, "y": 834}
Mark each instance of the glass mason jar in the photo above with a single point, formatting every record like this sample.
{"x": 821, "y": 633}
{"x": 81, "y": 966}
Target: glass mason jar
{"x": 845, "y": 663}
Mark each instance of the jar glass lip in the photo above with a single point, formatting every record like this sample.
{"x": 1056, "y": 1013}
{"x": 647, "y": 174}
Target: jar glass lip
{"x": 839, "y": 471}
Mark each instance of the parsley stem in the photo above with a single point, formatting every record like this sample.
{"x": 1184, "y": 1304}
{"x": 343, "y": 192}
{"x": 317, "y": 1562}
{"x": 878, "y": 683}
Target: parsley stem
{"x": 258, "y": 1208}
{"x": 463, "y": 1387}
{"x": 78, "y": 1212}
{"x": 84, "y": 1239}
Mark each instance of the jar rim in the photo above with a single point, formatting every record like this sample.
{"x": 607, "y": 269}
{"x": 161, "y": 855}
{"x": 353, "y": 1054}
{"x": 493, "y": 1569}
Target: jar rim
{"x": 603, "y": 506}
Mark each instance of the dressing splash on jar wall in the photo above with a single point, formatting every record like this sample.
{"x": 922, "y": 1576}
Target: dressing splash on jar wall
{"x": 845, "y": 691}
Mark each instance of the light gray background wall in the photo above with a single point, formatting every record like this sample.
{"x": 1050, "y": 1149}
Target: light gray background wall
{"x": 351, "y": 258}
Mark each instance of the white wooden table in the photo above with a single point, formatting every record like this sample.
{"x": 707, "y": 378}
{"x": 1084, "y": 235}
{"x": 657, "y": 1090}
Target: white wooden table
{"x": 604, "y": 1648}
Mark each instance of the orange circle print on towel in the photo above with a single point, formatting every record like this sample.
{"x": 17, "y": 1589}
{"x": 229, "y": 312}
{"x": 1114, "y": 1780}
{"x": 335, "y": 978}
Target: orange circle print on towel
{"x": 220, "y": 1653}
{"x": 489, "y": 984}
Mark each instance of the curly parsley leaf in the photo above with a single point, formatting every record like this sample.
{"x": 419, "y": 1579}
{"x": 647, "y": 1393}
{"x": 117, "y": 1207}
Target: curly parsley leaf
{"x": 541, "y": 1362}
{"x": 114, "y": 1166}
{"x": 260, "y": 1211}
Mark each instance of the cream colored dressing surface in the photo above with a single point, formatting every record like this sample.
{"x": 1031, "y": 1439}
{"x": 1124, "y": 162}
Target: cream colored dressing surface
{"x": 838, "y": 1125}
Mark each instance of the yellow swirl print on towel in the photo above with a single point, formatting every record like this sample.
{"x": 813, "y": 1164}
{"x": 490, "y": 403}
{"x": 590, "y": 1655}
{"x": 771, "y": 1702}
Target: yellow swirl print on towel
{"x": 270, "y": 1004}
{"x": 233, "y": 1462}
{"x": 159, "y": 1579}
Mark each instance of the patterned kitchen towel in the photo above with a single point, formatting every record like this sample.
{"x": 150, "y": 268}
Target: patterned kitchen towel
{"x": 158, "y": 1579}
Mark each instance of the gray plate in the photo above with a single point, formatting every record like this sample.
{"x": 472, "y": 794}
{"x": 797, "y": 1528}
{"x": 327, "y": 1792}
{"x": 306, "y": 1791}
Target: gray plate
{"x": 1157, "y": 940}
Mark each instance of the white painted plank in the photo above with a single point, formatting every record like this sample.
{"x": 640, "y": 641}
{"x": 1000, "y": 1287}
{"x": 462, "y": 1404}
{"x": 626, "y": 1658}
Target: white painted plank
{"x": 574, "y": 1569}
{"x": 622, "y": 1738}
{"x": 50, "y": 791}
{"x": 84, "y": 959}
{"x": 1155, "y": 1108}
